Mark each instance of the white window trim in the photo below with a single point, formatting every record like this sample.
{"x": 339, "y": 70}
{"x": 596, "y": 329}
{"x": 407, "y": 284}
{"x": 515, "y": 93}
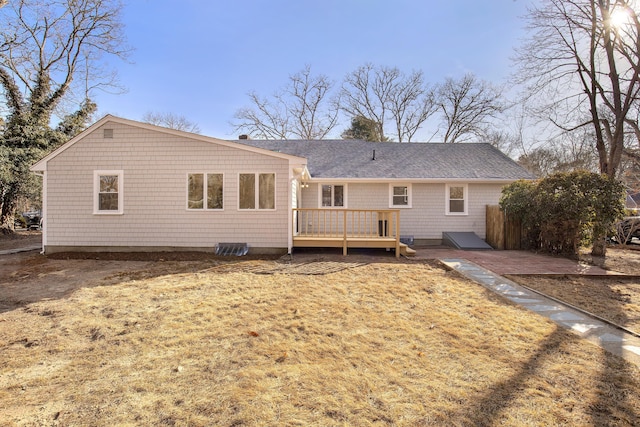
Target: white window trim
{"x": 257, "y": 191}
{"x": 465, "y": 188}
{"x": 96, "y": 192}
{"x": 409, "y": 198}
{"x": 332, "y": 184}
{"x": 204, "y": 200}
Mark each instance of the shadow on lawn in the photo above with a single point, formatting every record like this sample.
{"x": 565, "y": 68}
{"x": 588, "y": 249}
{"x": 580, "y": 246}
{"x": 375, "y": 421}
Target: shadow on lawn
{"x": 609, "y": 405}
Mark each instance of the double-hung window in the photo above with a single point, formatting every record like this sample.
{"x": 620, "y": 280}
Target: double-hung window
{"x": 257, "y": 191}
{"x": 457, "y": 199}
{"x": 205, "y": 191}
{"x": 400, "y": 195}
{"x": 108, "y": 192}
{"x": 332, "y": 196}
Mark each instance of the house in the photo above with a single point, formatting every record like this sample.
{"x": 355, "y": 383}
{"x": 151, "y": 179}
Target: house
{"x": 123, "y": 185}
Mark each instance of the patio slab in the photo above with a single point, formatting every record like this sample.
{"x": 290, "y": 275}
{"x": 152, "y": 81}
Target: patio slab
{"x": 515, "y": 262}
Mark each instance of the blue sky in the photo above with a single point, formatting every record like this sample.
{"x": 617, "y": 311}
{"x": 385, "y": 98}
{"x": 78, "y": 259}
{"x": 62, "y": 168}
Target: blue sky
{"x": 200, "y": 58}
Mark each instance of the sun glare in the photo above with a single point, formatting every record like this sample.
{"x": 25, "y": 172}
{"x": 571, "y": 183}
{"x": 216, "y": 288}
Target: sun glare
{"x": 619, "y": 18}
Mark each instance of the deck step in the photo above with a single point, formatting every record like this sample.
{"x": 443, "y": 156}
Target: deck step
{"x": 406, "y": 250}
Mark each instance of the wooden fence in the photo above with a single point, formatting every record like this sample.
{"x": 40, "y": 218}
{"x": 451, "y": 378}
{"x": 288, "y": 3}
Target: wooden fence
{"x": 503, "y": 232}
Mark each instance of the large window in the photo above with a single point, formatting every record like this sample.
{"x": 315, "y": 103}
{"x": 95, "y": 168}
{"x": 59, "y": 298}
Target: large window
{"x": 257, "y": 190}
{"x": 204, "y": 191}
{"x": 332, "y": 196}
{"x": 108, "y": 194}
{"x": 400, "y": 196}
{"x": 456, "y": 199}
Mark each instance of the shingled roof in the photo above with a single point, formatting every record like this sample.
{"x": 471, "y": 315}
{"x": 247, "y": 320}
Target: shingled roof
{"x": 352, "y": 159}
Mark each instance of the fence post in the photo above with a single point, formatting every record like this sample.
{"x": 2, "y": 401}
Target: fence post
{"x": 495, "y": 222}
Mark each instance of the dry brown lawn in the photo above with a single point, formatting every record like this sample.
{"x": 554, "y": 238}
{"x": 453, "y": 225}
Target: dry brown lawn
{"x": 258, "y": 342}
{"x": 616, "y": 299}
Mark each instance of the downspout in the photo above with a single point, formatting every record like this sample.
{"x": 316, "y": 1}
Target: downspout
{"x": 292, "y": 179}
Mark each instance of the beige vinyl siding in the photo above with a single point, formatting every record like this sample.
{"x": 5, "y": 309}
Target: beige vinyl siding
{"x": 155, "y": 166}
{"x": 309, "y": 196}
{"x": 427, "y": 218}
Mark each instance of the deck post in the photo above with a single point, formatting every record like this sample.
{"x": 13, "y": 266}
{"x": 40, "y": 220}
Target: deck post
{"x": 344, "y": 232}
{"x": 397, "y": 215}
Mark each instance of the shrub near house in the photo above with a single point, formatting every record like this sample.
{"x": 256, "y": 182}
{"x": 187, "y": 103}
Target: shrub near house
{"x": 565, "y": 211}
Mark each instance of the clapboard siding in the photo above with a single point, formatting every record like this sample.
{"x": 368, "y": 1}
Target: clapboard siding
{"x": 155, "y": 167}
{"x": 427, "y": 218}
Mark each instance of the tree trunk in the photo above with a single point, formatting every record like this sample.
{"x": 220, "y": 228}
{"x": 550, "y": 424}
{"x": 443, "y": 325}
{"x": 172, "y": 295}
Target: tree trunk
{"x": 8, "y": 210}
{"x": 599, "y": 246}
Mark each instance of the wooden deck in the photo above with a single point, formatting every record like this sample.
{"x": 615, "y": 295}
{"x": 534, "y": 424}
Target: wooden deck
{"x": 347, "y": 228}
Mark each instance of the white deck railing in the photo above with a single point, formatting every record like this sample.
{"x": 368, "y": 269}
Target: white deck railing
{"x": 346, "y": 227}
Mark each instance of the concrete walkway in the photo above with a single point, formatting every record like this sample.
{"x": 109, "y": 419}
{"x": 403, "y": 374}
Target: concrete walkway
{"x": 612, "y": 339}
{"x": 515, "y": 262}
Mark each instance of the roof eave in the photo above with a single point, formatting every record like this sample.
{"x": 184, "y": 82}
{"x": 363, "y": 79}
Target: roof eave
{"x": 419, "y": 180}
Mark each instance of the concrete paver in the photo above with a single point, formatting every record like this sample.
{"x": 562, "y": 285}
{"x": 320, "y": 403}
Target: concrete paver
{"x": 612, "y": 339}
{"x": 516, "y": 262}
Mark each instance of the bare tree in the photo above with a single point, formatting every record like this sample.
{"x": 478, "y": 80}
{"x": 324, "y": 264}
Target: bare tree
{"x": 303, "y": 109}
{"x": 467, "y": 106}
{"x": 384, "y": 94}
{"x": 582, "y": 60}
{"x": 411, "y": 103}
{"x": 569, "y": 153}
{"x": 501, "y": 139}
{"x": 45, "y": 48}
{"x": 171, "y": 121}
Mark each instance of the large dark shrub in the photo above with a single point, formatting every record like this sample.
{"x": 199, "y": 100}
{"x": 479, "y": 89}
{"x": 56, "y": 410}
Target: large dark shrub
{"x": 564, "y": 211}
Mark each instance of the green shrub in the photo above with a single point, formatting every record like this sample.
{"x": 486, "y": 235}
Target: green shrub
{"x": 564, "y": 211}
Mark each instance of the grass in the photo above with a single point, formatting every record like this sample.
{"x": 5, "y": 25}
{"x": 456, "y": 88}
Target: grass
{"x": 614, "y": 299}
{"x": 378, "y": 344}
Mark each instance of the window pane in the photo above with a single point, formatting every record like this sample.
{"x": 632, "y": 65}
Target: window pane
{"x": 400, "y": 196}
{"x": 108, "y": 183}
{"x": 456, "y": 192}
{"x": 267, "y": 187}
{"x": 214, "y": 191}
{"x": 196, "y": 191}
{"x": 338, "y": 195}
{"x": 326, "y": 195}
{"x": 108, "y": 202}
{"x": 399, "y": 191}
{"x": 247, "y": 191}
{"x": 108, "y": 193}
{"x": 456, "y": 206}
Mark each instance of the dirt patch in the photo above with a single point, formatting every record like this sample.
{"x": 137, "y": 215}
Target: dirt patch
{"x": 30, "y": 277}
{"x": 621, "y": 258}
{"x": 20, "y": 239}
{"x": 307, "y": 268}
